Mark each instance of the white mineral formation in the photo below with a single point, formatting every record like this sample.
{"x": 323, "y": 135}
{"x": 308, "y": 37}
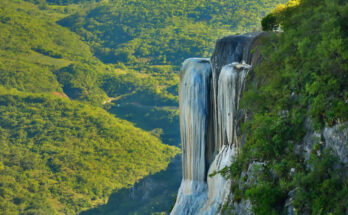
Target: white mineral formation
{"x": 199, "y": 193}
{"x": 209, "y": 120}
{"x": 194, "y": 88}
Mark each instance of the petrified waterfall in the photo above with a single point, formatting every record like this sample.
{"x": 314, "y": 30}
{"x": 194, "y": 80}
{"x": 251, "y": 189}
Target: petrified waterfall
{"x": 194, "y": 113}
{"x": 230, "y": 86}
{"x": 210, "y": 91}
{"x": 194, "y": 89}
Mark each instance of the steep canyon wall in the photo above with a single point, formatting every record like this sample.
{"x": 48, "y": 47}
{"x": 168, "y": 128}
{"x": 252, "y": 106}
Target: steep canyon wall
{"x": 210, "y": 126}
{"x": 210, "y": 118}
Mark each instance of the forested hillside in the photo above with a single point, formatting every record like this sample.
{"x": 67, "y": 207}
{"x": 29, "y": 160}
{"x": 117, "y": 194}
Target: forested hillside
{"x": 62, "y": 156}
{"x": 59, "y": 156}
{"x": 163, "y": 32}
{"x": 300, "y": 85}
{"x": 38, "y": 55}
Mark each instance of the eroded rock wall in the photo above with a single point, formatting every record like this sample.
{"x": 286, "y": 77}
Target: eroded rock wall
{"x": 210, "y": 118}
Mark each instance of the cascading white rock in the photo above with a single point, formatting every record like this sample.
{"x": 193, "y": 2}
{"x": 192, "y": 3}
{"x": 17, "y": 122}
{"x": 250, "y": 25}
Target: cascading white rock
{"x": 199, "y": 193}
{"x": 210, "y": 93}
{"x": 194, "y": 109}
{"x": 230, "y": 49}
{"x": 210, "y": 119}
{"x": 230, "y": 87}
{"x": 194, "y": 112}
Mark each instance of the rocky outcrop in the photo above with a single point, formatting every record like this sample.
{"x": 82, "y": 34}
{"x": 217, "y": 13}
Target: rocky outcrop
{"x": 210, "y": 126}
{"x": 210, "y": 118}
{"x": 336, "y": 138}
{"x": 194, "y": 114}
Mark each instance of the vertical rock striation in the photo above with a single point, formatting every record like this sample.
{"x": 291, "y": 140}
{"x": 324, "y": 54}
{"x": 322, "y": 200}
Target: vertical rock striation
{"x": 210, "y": 118}
{"x": 230, "y": 87}
{"x": 194, "y": 89}
{"x": 194, "y": 113}
{"x": 231, "y": 49}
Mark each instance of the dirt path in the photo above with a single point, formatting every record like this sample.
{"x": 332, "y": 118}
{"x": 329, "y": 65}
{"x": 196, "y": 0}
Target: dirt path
{"x": 110, "y": 99}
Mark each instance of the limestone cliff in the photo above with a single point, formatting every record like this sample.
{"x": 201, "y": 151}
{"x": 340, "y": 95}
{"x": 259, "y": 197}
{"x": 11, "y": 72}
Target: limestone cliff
{"x": 210, "y": 125}
{"x": 210, "y": 117}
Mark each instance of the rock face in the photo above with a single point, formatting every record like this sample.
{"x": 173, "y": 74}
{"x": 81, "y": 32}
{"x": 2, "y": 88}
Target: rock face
{"x": 228, "y": 50}
{"x": 210, "y": 121}
{"x": 210, "y": 117}
{"x": 334, "y": 138}
{"x": 194, "y": 114}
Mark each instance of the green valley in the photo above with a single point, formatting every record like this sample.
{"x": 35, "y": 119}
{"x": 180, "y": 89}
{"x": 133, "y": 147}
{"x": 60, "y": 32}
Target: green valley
{"x": 60, "y": 156}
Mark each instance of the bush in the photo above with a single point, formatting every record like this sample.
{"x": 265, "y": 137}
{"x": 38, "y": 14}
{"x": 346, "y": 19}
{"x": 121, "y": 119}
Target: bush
{"x": 269, "y": 23}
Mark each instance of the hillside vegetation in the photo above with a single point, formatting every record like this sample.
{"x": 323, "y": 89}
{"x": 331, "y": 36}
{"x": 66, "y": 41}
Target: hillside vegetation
{"x": 61, "y": 156}
{"x": 34, "y": 48}
{"x": 38, "y": 55}
{"x": 144, "y": 32}
{"x": 303, "y": 78}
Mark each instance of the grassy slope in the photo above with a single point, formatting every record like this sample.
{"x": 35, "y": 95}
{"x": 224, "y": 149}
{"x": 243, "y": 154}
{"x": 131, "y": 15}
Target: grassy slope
{"x": 38, "y": 55}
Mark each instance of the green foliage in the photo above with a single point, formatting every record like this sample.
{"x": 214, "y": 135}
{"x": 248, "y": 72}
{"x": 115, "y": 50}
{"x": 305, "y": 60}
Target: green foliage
{"x": 303, "y": 75}
{"x": 141, "y": 88}
{"x": 38, "y": 55}
{"x": 32, "y": 46}
{"x": 269, "y": 22}
{"x": 163, "y": 32}
{"x": 66, "y": 2}
{"x": 60, "y": 157}
{"x": 79, "y": 82}
{"x": 160, "y": 120}
{"x": 67, "y": 156}
{"x": 264, "y": 196}
{"x": 59, "y": 2}
{"x": 323, "y": 188}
